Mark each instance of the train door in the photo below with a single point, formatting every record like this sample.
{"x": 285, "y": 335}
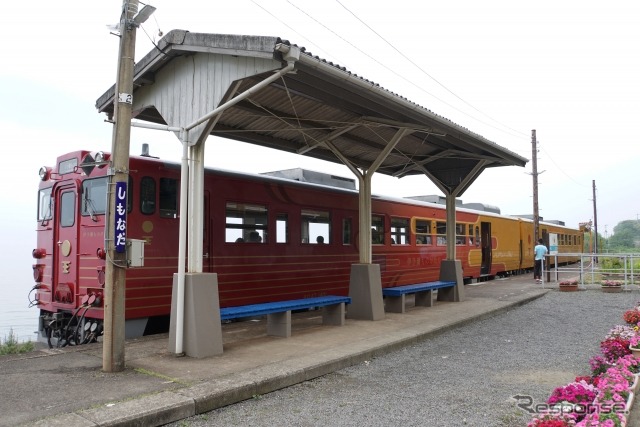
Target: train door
{"x": 65, "y": 250}
{"x": 485, "y": 239}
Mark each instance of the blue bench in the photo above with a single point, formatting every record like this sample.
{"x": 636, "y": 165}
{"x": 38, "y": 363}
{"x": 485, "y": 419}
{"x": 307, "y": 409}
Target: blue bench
{"x": 395, "y": 296}
{"x": 279, "y": 313}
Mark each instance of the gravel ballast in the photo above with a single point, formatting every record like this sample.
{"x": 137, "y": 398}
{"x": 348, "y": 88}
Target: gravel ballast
{"x": 467, "y": 376}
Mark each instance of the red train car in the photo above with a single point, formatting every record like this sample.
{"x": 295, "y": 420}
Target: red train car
{"x": 267, "y": 238}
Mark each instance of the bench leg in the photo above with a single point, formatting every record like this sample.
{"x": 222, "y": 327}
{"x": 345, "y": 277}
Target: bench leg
{"x": 333, "y": 315}
{"x": 424, "y": 299}
{"x": 394, "y": 304}
{"x": 279, "y": 324}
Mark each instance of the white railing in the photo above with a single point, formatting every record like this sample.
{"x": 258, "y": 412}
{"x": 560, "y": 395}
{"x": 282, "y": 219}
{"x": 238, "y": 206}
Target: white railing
{"x": 594, "y": 268}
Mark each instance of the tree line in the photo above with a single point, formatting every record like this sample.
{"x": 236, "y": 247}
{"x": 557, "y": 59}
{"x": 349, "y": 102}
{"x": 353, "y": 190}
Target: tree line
{"x": 625, "y": 238}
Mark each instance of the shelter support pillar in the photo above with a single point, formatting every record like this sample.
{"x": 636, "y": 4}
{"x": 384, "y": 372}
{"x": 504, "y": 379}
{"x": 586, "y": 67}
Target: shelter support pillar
{"x": 451, "y": 226}
{"x": 451, "y": 270}
{"x": 365, "y": 286}
{"x": 195, "y": 219}
{"x": 202, "y": 327}
{"x": 365, "y": 290}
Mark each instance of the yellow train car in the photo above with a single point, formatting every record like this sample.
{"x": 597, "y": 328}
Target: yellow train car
{"x": 570, "y": 241}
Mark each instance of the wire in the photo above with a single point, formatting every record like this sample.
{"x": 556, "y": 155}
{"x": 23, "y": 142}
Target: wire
{"x": 518, "y": 134}
{"x": 426, "y": 73}
{"x": 562, "y": 170}
{"x": 289, "y": 27}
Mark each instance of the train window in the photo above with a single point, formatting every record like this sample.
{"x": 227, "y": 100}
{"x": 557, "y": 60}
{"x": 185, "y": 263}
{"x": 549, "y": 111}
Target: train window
{"x": 346, "y": 231}
{"x": 67, "y": 209}
{"x": 423, "y": 232}
{"x": 477, "y": 239}
{"x": 377, "y": 229}
{"x": 282, "y": 228}
{"x": 461, "y": 234}
{"x": 44, "y": 204}
{"x": 147, "y": 195}
{"x": 399, "y": 231}
{"x": 441, "y": 233}
{"x": 94, "y": 196}
{"x": 315, "y": 226}
{"x": 67, "y": 166}
{"x": 168, "y": 197}
{"x": 246, "y": 223}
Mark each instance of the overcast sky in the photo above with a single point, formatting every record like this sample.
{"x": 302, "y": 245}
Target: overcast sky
{"x": 568, "y": 69}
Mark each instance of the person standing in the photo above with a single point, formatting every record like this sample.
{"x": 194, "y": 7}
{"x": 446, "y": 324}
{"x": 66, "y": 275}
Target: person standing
{"x": 540, "y": 250}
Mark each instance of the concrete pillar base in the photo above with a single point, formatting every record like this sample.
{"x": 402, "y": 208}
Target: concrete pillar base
{"x": 202, "y": 327}
{"x": 451, "y": 271}
{"x": 365, "y": 290}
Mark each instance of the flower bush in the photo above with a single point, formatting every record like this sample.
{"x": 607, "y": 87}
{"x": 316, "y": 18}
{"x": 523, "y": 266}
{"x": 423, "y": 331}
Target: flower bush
{"x": 632, "y": 317}
{"x": 599, "y": 365}
{"x": 569, "y": 282}
{"x": 552, "y": 420}
{"x": 614, "y": 348}
{"x": 604, "y": 419}
{"x": 579, "y": 393}
{"x": 623, "y": 331}
{"x": 599, "y": 400}
{"x": 630, "y": 362}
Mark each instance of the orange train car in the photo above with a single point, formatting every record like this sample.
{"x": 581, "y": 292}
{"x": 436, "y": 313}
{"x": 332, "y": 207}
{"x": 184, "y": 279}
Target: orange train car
{"x": 267, "y": 238}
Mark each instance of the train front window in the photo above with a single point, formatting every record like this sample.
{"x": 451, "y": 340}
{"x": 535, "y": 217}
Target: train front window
{"x": 67, "y": 209}
{"x": 94, "y": 197}
{"x": 315, "y": 226}
{"x": 399, "y": 231}
{"x": 44, "y": 204}
{"x": 246, "y": 223}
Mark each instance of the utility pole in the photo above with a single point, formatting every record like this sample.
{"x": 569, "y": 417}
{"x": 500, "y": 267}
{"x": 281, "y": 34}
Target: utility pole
{"x": 534, "y": 173}
{"x": 595, "y": 221}
{"x": 116, "y": 265}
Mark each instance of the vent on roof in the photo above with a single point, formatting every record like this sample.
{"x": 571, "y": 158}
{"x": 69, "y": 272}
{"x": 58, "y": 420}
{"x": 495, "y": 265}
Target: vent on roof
{"x": 482, "y": 207}
{"x": 304, "y": 175}
{"x": 434, "y": 198}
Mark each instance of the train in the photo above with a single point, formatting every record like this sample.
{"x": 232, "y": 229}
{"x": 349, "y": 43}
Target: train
{"x": 267, "y": 237}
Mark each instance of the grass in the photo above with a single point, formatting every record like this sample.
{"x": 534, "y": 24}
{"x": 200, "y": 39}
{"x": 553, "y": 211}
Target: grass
{"x": 10, "y": 345}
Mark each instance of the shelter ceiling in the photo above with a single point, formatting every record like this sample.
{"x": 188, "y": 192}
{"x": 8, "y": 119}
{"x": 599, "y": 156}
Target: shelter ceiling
{"x": 321, "y": 108}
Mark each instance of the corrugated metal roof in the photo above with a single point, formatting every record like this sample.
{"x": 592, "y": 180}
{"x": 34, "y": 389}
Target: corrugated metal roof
{"x": 300, "y": 111}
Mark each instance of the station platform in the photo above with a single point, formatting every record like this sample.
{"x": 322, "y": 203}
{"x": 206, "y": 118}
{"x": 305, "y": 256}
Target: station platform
{"x": 67, "y": 387}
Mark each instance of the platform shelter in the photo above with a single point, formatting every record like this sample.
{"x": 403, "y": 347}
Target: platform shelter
{"x": 271, "y": 92}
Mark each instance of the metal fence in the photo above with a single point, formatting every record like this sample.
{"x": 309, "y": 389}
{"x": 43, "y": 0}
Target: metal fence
{"x": 594, "y": 269}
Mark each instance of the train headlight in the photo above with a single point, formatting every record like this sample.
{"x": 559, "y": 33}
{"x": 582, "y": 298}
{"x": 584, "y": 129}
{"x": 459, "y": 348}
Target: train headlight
{"x": 100, "y": 157}
{"x": 44, "y": 173}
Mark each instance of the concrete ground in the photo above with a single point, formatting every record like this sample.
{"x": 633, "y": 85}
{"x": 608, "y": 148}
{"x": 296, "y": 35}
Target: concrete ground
{"x": 68, "y": 387}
